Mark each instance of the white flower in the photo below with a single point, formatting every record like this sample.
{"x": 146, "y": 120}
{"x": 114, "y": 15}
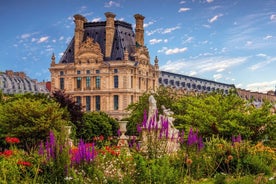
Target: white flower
{"x": 68, "y": 178}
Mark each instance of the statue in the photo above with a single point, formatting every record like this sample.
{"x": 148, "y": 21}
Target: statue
{"x": 167, "y": 114}
{"x": 152, "y": 108}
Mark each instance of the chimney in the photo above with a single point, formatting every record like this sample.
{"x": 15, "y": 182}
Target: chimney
{"x": 109, "y": 33}
{"x": 79, "y": 31}
{"x": 139, "y": 30}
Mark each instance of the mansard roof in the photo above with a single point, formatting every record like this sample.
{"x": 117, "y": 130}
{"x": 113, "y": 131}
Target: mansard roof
{"x": 124, "y": 39}
{"x": 18, "y": 82}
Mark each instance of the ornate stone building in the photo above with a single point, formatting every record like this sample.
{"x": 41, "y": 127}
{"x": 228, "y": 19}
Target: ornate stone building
{"x": 106, "y": 66}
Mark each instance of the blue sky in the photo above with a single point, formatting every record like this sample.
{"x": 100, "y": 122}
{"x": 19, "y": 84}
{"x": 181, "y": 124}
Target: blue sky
{"x": 229, "y": 41}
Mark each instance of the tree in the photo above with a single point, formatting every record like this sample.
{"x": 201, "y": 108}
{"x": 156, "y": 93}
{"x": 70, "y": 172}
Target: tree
{"x": 66, "y": 101}
{"x": 97, "y": 124}
{"x": 30, "y": 118}
{"x": 224, "y": 115}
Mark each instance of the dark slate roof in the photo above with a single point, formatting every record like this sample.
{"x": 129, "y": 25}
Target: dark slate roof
{"x": 124, "y": 39}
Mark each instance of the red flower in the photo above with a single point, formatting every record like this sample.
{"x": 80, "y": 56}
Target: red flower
{"x": 12, "y": 140}
{"x": 101, "y": 137}
{"x": 24, "y": 163}
{"x": 7, "y": 153}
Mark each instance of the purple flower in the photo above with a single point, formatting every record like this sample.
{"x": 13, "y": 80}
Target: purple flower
{"x": 192, "y": 137}
{"x": 181, "y": 136}
{"x": 200, "y": 144}
{"x": 119, "y": 132}
{"x": 139, "y": 129}
{"x": 41, "y": 148}
{"x": 236, "y": 139}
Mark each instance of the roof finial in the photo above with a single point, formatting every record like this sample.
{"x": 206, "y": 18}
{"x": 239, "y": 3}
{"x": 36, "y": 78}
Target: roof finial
{"x": 156, "y": 61}
{"x": 53, "y": 59}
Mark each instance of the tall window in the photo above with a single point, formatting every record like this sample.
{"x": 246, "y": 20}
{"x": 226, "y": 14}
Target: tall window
{"x": 88, "y": 82}
{"x": 78, "y": 82}
{"x": 131, "y": 82}
{"x": 61, "y": 83}
{"x": 140, "y": 81}
{"x": 98, "y": 103}
{"x": 78, "y": 100}
{"x": 131, "y": 99}
{"x": 116, "y": 102}
{"x": 88, "y": 103}
{"x": 98, "y": 82}
{"x": 116, "y": 81}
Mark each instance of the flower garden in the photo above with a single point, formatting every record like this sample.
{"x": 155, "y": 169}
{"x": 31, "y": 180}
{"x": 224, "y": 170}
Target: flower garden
{"x": 214, "y": 161}
{"x": 36, "y": 145}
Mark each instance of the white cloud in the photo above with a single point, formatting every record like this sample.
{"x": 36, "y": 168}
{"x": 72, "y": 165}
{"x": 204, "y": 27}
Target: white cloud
{"x": 169, "y": 30}
{"x": 192, "y": 73}
{"x": 262, "y": 64}
{"x": 188, "y": 40}
{"x": 155, "y": 41}
{"x": 203, "y": 64}
{"x": 97, "y": 19}
{"x": 175, "y": 51}
{"x": 214, "y": 18}
{"x": 162, "y": 50}
{"x": 267, "y": 37}
{"x": 111, "y": 4}
{"x": 61, "y": 38}
{"x": 43, "y": 39}
{"x": 206, "y": 26}
{"x": 248, "y": 43}
{"x": 210, "y": 1}
{"x": 182, "y": 2}
{"x": 262, "y": 86}
{"x": 33, "y": 40}
{"x": 217, "y": 76}
{"x": 166, "y": 40}
{"x": 148, "y": 24}
{"x": 273, "y": 17}
{"x": 183, "y": 9}
{"x": 25, "y": 36}
{"x": 162, "y": 30}
{"x": 261, "y": 55}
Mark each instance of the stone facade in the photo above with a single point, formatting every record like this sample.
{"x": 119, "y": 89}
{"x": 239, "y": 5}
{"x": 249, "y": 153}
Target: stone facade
{"x": 106, "y": 66}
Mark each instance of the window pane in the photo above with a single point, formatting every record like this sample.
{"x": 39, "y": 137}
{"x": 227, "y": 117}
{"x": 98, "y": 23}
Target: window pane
{"x": 98, "y": 103}
{"x": 116, "y": 81}
{"x": 98, "y": 82}
{"x": 61, "y": 83}
{"x": 116, "y": 102}
{"x": 88, "y": 102}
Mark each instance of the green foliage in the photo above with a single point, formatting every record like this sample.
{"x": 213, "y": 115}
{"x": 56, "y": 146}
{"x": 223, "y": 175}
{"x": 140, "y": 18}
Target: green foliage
{"x": 30, "y": 118}
{"x": 95, "y": 124}
{"x": 159, "y": 170}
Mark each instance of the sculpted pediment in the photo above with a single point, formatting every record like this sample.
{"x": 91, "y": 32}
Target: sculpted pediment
{"x": 90, "y": 50}
{"x": 142, "y": 55}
